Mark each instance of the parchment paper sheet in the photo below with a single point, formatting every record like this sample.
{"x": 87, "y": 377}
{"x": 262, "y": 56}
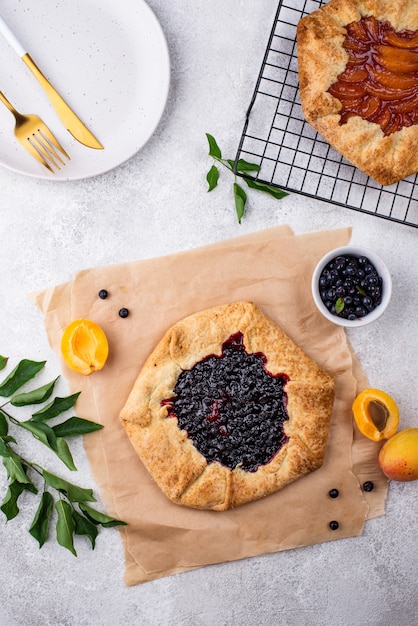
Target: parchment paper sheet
{"x": 272, "y": 268}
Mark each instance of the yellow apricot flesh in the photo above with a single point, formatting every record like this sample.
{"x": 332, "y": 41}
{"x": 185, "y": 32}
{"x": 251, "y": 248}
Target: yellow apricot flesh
{"x": 84, "y": 346}
{"x": 376, "y": 414}
{"x": 398, "y": 459}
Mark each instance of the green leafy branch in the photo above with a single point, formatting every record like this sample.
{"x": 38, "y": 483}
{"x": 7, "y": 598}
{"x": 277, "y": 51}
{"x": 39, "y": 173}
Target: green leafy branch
{"x": 241, "y": 166}
{"x": 73, "y": 515}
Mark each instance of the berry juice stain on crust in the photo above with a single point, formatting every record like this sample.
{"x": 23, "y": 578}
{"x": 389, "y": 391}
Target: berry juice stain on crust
{"x": 232, "y": 408}
{"x": 380, "y": 81}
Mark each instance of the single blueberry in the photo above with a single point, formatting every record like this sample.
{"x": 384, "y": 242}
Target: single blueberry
{"x": 367, "y": 303}
{"x": 372, "y": 279}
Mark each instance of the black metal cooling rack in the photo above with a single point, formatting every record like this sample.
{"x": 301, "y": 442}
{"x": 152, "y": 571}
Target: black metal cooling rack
{"x": 291, "y": 155}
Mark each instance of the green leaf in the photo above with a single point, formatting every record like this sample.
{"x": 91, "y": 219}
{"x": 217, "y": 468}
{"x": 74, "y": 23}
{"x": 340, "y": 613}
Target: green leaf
{"x": 360, "y": 290}
{"x": 4, "y": 424}
{"x": 24, "y": 371}
{"x": 212, "y": 177}
{"x": 4, "y": 449}
{"x": 34, "y": 397}
{"x": 42, "y": 432}
{"x": 40, "y": 523}
{"x": 240, "y": 198}
{"x": 65, "y": 526}
{"x": 3, "y": 362}
{"x": 73, "y": 493}
{"x": 100, "y": 518}
{"x": 339, "y": 305}
{"x": 47, "y": 436}
{"x": 56, "y": 407}
{"x": 83, "y": 526}
{"x": 7, "y": 438}
{"x": 75, "y": 426}
{"x": 63, "y": 452}
{"x": 272, "y": 191}
{"x": 13, "y": 464}
{"x": 244, "y": 166}
{"x": 9, "y": 505}
{"x": 214, "y": 149}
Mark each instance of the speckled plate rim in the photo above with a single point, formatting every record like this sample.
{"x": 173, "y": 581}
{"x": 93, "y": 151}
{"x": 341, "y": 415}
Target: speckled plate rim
{"x": 108, "y": 58}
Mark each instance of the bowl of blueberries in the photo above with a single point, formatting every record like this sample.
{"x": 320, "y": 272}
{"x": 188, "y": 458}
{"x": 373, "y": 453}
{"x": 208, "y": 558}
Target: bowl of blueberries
{"x": 351, "y": 286}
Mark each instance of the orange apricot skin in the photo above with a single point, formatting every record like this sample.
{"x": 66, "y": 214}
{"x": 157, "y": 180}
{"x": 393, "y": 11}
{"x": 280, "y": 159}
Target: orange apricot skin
{"x": 363, "y": 419}
{"x": 84, "y": 346}
{"x": 398, "y": 458}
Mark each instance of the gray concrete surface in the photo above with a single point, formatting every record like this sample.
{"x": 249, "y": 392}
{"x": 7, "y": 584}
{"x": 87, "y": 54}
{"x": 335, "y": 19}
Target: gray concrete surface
{"x": 154, "y": 204}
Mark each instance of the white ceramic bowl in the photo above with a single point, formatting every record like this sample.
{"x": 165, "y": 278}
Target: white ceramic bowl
{"x": 382, "y": 271}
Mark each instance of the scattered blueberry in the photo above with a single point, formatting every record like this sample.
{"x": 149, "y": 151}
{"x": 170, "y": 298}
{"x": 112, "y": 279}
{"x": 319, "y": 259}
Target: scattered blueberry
{"x": 123, "y": 312}
{"x": 350, "y": 286}
{"x": 334, "y": 525}
{"x": 334, "y": 493}
{"x": 368, "y": 485}
{"x": 103, "y": 293}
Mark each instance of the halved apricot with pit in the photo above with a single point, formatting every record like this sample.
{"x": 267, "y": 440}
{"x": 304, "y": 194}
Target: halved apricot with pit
{"x": 376, "y": 414}
{"x": 84, "y": 346}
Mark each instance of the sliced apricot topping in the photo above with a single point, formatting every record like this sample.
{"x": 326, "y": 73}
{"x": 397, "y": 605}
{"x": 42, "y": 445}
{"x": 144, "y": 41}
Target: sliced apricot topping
{"x": 376, "y": 414}
{"x": 381, "y": 71}
{"x": 84, "y": 346}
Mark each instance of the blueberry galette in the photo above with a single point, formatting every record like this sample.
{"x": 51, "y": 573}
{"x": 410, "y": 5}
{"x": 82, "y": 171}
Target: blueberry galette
{"x": 228, "y": 409}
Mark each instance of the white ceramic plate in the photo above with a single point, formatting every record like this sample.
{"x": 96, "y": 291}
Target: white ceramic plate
{"x": 108, "y": 59}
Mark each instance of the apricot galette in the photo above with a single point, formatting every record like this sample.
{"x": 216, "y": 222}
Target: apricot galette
{"x": 358, "y": 74}
{"x": 228, "y": 409}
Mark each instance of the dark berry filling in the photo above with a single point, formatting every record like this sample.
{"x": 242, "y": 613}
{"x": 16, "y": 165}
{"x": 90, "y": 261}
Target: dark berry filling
{"x": 232, "y": 408}
{"x": 350, "y": 287}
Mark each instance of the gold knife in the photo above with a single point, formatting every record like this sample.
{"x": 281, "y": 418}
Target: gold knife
{"x": 67, "y": 116}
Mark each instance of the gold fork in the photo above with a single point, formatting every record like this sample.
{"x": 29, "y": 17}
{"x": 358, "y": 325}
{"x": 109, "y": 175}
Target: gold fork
{"x": 36, "y": 138}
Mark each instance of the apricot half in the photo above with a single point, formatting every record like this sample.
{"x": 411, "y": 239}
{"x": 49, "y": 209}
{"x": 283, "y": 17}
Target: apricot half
{"x": 398, "y": 458}
{"x": 84, "y": 346}
{"x": 376, "y": 414}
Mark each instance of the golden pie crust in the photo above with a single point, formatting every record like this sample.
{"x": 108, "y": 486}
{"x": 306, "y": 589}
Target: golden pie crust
{"x": 181, "y": 471}
{"x": 322, "y": 58}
